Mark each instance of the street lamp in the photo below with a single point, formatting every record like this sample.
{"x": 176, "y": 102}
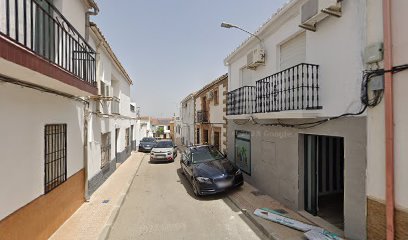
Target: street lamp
{"x": 228, "y": 25}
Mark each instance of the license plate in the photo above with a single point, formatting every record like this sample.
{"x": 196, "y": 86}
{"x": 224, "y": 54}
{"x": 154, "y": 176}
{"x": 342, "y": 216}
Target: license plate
{"x": 224, "y": 184}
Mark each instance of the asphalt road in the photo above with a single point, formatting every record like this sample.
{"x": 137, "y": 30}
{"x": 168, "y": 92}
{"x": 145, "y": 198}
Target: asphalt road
{"x": 161, "y": 205}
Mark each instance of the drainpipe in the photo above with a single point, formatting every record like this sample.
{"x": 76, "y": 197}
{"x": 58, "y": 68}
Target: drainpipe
{"x": 88, "y": 14}
{"x": 86, "y": 118}
{"x": 389, "y": 120}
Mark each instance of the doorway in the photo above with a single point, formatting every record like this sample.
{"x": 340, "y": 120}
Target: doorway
{"x": 217, "y": 140}
{"x": 205, "y": 136}
{"x": 198, "y": 136}
{"x": 324, "y": 178}
{"x": 116, "y": 144}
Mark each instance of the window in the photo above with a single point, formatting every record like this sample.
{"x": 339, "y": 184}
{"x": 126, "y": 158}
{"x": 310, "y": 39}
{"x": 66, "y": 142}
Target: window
{"x": 293, "y": 52}
{"x": 245, "y": 76}
{"x": 105, "y": 149}
{"x": 127, "y": 137}
{"x": 55, "y": 156}
{"x": 216, "y": 97}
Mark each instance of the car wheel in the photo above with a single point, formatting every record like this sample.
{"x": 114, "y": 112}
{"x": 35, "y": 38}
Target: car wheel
{"x": 195, "y": 188}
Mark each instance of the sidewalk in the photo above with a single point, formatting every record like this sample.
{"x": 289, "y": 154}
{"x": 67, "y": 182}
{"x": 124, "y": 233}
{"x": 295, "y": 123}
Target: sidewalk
{"x": 94, "y": 218}
{"x": 247, "y": 198}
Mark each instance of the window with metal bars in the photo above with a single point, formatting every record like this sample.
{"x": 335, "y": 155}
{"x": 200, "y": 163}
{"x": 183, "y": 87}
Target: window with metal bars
{"x": 105, "y": 149}
{"x": 55, "y": 156}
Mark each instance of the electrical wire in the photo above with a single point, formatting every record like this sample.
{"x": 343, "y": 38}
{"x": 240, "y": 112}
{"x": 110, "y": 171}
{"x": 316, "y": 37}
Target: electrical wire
{"x": 41, "y": 89}
{"x": 367, "y": 100}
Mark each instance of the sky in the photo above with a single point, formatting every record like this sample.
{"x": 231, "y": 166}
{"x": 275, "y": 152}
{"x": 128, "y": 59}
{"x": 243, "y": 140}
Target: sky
{"x": 171, "y": 48}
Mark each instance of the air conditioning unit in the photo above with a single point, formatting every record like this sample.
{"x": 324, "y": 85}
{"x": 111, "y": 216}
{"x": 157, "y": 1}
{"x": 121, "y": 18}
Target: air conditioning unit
{"x": 314, "y": 11}
{"x": 255, "y": 58}
{"x": 210, "y": 95}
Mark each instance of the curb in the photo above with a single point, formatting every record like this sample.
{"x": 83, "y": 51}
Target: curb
{"x": 253, "y": 220}
{"x": 115, "y": 212}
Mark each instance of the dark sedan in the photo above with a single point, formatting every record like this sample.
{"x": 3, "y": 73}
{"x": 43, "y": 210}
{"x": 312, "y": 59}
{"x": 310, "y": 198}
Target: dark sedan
{"x": 209, "y": 171}
{"x": 146, "y": 144}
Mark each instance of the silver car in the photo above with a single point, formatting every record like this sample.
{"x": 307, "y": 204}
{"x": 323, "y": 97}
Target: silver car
{"x": 164, "y": 151}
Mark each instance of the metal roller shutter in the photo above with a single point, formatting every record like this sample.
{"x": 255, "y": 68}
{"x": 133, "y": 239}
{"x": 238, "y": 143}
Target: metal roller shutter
{"x": 293, "y": 52}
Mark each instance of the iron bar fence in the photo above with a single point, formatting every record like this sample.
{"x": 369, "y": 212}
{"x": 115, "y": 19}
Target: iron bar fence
{"x": 295, "y": 88}
{"x": 39, "y": 27}
{"x": 202, "y": 116}
{"x": 241, "y": 101}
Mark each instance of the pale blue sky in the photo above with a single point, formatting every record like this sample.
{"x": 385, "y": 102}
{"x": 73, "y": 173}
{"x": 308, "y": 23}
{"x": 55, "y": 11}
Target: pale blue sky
{"x": 171, "y": 48}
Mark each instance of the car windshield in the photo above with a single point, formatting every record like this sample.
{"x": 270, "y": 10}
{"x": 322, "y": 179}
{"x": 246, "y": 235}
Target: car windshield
{"x": 205, "y": 154}
{"x": 164, "y": 144}
{"x": 147, "y": 140}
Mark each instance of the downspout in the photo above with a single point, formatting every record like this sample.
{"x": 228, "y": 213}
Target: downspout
{"x": 94, "y": 12}
{"x": 86, "y": 114}
{"x": 389, "y": 120}
{"x": 88, "y": 15}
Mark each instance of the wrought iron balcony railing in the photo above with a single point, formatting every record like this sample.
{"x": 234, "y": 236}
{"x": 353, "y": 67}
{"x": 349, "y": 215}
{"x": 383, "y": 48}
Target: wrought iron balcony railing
{"x": 295, "y": 88}
{"x": 39, "y": 27}
{"x": 241, "y": 101}
{"x": 202, "y": 116}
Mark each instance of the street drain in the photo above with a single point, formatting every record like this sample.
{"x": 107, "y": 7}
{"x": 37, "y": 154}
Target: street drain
{"x": 105, "y": 201}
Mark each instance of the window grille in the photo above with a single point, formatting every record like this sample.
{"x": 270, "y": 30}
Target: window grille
{"x": 55, "y": 156}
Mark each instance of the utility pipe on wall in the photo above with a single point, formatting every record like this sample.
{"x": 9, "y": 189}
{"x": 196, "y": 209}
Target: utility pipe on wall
{"x": 389, "y": 120}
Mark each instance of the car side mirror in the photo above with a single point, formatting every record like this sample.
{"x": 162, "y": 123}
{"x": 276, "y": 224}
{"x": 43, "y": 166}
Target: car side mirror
{"x": 175, "y": 146}
{"x": 188, "y": 162}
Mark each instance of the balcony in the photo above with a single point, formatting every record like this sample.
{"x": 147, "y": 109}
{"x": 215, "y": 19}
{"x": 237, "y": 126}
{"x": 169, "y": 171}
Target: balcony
{"x": 38, "y": 37}
{"x": 295, "y": 88}
{"x": 202, "y": 117}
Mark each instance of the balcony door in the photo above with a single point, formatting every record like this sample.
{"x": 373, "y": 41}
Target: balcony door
{"x": 44, "y": 32}
{"x": 246, "y": 77}
{"x": 204, "y": 103}
{"x": 293, "y": 51}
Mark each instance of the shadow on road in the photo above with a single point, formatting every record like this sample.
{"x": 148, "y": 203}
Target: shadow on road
{"x": 220, "y": 196}
{"x": 160, "y": 162}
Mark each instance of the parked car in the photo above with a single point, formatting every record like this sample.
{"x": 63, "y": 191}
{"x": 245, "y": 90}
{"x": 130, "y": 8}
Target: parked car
{"x": 209, "y": 171}
{"x": 164, "y": 151}
{"x": 146, "y": 144}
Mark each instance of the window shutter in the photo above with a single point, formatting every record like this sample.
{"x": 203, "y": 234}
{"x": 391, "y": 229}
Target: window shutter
{"x": 293, "y": 52}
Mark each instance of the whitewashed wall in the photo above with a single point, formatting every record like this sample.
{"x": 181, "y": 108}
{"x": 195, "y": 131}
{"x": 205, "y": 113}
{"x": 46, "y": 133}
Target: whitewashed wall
{"x": 108, "y": 72}
{"x": 22, "y": 142}
{"x": 336, "y": 46}
{"x": 187, "y": 121}
{"x": 376, "y": 120}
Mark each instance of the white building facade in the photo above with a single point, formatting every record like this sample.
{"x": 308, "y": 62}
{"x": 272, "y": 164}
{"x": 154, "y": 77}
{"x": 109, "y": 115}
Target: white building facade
{"x": 114, "y": 124}
{"x": 44, "y": 86}
{"x": 187, "y": 120}
{"x": 285, "y": 107}
{"x": 379, "y": 168}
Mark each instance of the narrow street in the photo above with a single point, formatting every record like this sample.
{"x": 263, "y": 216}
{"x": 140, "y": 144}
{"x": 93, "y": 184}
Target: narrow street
{"x": 161, "y": 205}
